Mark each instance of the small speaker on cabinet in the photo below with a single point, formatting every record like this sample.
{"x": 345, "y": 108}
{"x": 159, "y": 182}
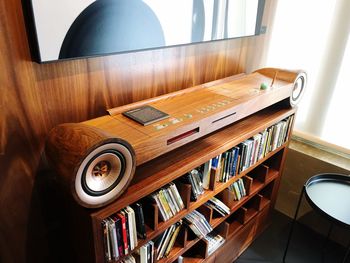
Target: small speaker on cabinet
{"x": 299, "y": 86}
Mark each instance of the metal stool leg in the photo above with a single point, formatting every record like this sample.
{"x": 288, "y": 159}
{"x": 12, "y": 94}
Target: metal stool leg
{"x": 326, "y": 241}
{"x": 347, "y": 253}
{"x": 293, "y": 224}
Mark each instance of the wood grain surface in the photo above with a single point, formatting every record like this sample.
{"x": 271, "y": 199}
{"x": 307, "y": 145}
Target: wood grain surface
{"x": 36, "y": 97}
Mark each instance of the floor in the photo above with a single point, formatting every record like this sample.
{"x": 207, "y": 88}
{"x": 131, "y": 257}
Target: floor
{"x": 306, "y": 245}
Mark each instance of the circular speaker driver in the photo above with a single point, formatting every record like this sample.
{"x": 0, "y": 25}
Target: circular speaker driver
{"x": 104, "y": 174}
{"x": 298, "y": 89}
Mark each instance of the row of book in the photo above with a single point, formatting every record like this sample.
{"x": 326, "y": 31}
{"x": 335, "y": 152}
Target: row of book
{"x": 166, "y": 240}
{"x": 194, "y": 178}
{"x": 198, "y": 224}
{"x": 168, "y": 201}
{"x": 121, "y": 231}
{"x": 145, "y": 254}
{"x": 214, "y": 242}
{"x": 261, "y": 144}
{"x": 218, "y": 206}
{"x": 238, "y": 189}
{"x": 121, "y": 239}
{"x": 225, "y": 165}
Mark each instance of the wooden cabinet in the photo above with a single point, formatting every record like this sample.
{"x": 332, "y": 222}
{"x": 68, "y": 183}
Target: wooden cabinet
{"x": 248, "y": 217}
{"x": 205, "y": 121}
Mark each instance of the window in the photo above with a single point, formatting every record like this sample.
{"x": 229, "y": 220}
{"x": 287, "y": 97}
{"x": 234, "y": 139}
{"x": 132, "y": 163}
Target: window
{"x": 312, "y": 35}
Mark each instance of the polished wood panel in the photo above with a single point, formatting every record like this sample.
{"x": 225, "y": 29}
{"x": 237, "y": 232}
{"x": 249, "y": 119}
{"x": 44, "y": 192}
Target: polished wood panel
{"x": 34, "y": 98}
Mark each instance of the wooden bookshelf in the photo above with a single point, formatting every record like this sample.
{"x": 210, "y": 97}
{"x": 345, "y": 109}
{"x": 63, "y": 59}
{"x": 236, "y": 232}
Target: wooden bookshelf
{"x": 248, "y": 216}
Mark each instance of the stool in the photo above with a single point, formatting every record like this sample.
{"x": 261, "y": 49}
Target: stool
{"x": 329, "y": 195}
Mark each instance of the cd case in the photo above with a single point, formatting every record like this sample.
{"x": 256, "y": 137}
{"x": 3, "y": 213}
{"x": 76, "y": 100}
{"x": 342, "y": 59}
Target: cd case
{"x": 145, "y": 115}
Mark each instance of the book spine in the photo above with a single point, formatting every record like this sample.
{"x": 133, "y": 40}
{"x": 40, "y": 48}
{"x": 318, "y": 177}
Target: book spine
{"x": 125, "y": 237}
{"x": 119, "y": 230}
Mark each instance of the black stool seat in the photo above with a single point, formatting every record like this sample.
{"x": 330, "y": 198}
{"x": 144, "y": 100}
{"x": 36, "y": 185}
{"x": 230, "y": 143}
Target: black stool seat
{"x": 328, "y": 194}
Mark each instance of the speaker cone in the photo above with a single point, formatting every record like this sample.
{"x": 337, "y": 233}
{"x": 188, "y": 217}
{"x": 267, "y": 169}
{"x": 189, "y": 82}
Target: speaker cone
{"x": 104, "y": 174}
{"x": 298, "y": 89}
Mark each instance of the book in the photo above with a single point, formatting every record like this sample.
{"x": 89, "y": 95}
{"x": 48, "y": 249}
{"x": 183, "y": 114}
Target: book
{"x": 113, "y": 238}
{"x": 197, "y": 223}
{"x": 206, "y": 174}
{"x": 127, "y": 226}
{"x": 133, "y": 223}
{"x": 177, "y": 196}
{"x": 165, "y": 242}
{"x": 173, "y": 200}
{"x": 235, "y": 161}
{"x": 168, "y": 201}
{"x": 143, "y": 254}
{"x": 163, "y": 214}
{"x": 173, "y": 238}
{"x": 106, "y": 242}
{"x": 165, "y": 204}
{"x": 214, "y": 242}
{"x": 125, "y": 238}
{"x": 119, "y": 230}
{"x": 160, "y": 240}
{"x": 140, "y": 221}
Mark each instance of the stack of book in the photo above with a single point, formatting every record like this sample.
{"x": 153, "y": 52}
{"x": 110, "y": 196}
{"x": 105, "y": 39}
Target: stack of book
{"x": 218, "y": 206}
{"x": 238, "y": 189}
{"x": 214, "y": 242}
{"x": 225, "y": 165}
{"x": 168, "y": 201}
{"x": 198, "y": 224}
{"x": 166, "y": 241}
{"x": 261, "y": 144}
{"x": 194, "y": 178}
{"x": 146, "y": 253}
{"x": 119, "y": 233}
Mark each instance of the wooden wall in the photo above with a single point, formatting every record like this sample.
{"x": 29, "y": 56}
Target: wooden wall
{"x": 34, "y": 98}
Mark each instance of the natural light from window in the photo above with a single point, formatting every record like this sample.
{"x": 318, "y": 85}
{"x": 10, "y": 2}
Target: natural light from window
{"x": 300, "y": 38}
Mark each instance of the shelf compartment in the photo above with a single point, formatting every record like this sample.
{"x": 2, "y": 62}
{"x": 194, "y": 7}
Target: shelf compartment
{"x": 182, "y": 245}
{"x": 275, "y": 161}
{"x": 215, "y": 174}
{"x": 151, "y": 214}
{"x": 178, "y": 248}
{"x": 197, "y": 253}
{"x": 185, "y": 192}
{"x": 207, "y": 212}
{"x": 249, "y": 210}
{"x": 262, "y": 202}
{"x": 228, "y": 198}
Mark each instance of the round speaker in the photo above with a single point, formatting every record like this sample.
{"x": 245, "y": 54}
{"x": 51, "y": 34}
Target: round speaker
{"x": 104, "y": 174}
{"x": 299, "y": 86}
{"x": 93, "y": 166}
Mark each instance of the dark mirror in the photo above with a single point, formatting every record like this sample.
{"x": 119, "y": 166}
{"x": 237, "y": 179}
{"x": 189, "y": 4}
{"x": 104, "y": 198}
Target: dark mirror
{"x": 70, "y": 29}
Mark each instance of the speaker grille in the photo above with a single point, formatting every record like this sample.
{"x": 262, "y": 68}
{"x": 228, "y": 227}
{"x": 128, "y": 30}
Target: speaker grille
{"x": 104, "y": 174}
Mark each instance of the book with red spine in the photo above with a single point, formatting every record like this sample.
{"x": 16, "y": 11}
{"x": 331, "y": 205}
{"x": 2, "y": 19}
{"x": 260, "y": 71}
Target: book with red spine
{"x": 125, "y": 236}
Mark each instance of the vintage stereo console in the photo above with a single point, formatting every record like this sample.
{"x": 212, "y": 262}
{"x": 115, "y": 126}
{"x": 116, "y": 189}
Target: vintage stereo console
{"x": 96, "y": 159}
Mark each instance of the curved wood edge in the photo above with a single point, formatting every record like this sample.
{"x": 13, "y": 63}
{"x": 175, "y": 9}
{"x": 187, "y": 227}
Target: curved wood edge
{"x": 281, "y": 74}
{"x": 117, "y": 110}
{"x": 66, "y": 147}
